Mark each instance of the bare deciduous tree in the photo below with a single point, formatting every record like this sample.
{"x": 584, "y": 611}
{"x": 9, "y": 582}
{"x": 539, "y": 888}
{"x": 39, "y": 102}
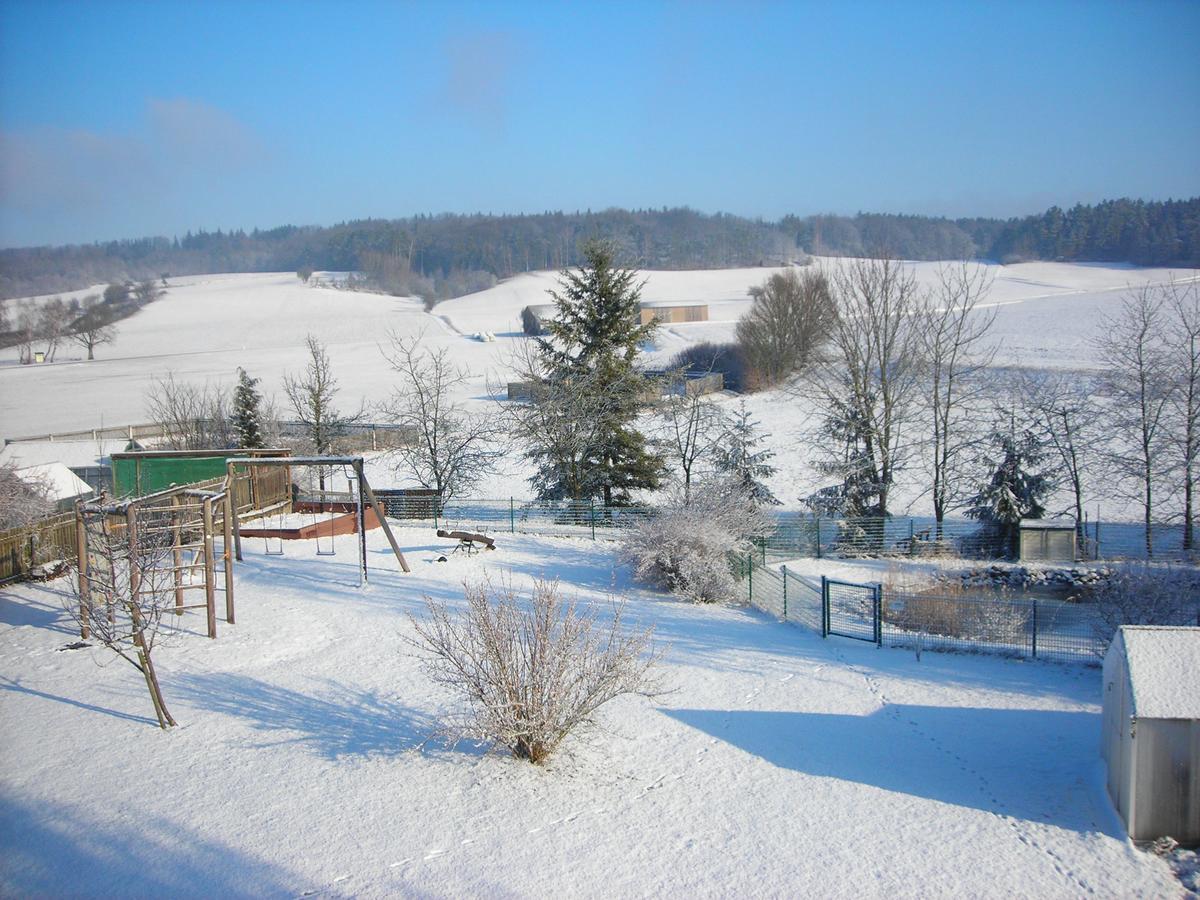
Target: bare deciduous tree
{"x": 869, "y": 382}
{"x": 54, "y": 319}
{"x": 147, "y": 291}
{"x": 952, "y": 330}
{"x": 688, "y": 425}
{"x": 530, "y": 673}
{"x": 1137, "y": 379}
{"x": 189, "y": 416}
{"x": 312, "y": 394}
{"x": 449, "y": 448}
{"x": 128, "y": 588}
{"x": 1061, "y": 409}
{"x": 94, "y": 327}
{"x": 790, "y": 318}
{"x": 1183, "y": 339}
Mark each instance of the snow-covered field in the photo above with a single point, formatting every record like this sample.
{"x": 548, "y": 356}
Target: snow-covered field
{"x": 778, "y": 765}
{"x": 207, "y": 326}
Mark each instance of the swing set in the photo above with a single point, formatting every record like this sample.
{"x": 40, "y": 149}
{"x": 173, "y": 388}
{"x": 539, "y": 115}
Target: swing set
{"x": 333, "y": 512}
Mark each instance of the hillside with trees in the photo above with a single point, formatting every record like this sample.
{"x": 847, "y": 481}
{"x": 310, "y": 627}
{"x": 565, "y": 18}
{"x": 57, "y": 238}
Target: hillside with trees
{"x": 440, "y": 256}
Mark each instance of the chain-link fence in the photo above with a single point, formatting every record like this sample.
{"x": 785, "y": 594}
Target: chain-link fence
{"x": 988, "y": 622}
{"x": 569, "y": 518}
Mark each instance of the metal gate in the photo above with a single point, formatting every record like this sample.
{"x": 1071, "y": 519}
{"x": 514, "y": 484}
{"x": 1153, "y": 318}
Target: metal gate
{"x": 851, "y": 610}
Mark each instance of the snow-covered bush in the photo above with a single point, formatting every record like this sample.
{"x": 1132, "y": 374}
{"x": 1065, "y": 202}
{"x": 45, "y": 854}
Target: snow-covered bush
{"x": 1144, "y": 594}
{"x": 528, "y": 673}
{"x": 686, "y": 546}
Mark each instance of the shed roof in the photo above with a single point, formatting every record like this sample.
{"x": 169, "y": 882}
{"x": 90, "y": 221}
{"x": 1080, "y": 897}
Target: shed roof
{"x": 671, "y": 304}
{"x": 1048, "y": 524}
{"x": 60, "y": 482}
{"x": 1164, "y": 670}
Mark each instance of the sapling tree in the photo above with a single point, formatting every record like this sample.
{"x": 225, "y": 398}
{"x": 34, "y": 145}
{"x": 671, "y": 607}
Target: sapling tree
{"x": 126, "y": 589}
{"x": 736, "y": 457}
{"x": 247, "y": 417}
{"x": 94, "y": 326}
{"x": 312, "y": 394}
{"x": 688, "y": 425}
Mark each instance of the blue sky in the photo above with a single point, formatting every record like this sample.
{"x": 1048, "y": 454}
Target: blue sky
{"x": 127, "y": 119}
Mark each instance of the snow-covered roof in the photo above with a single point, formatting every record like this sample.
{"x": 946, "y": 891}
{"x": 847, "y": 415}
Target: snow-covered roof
{"x": 60, "y": 482}
{"x": 75, "y": 454}
{"x": 671, "y": 304}
{"x": 1164, "y": 670}
{"x": 1048, "y": 524}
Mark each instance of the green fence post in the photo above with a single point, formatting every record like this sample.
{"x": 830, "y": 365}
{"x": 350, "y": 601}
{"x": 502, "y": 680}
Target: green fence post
{"x": 764, "y": 550}
{"x": 592, "y": 507}
{"x": 912, "y": 547}
{"x": 1035, "y": 627}
{"x": 512, "y": 516}
{"x": 824, "y": 607}
{"x": 783, "y": 569}
{"x": 750, "y": 574}
{"x": 818, "y": 537}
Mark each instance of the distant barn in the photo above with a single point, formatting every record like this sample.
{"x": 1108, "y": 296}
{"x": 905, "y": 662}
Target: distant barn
{"x": 535, "y": 317}
{"x": 673, "y": 313}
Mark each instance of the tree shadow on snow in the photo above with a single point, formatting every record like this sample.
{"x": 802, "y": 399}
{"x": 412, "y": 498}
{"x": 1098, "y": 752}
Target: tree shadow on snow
{"x": 55, "y": 849}
{"x": 343, "y": 721}
{"x": 8, "y": 684}
{"x": 38, "y": 606}
{"x": 1030, "y": 764}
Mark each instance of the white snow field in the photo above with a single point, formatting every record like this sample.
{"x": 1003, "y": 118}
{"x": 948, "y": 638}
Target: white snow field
{"x": 207, "y": 326}
{"x": 778, "y": 765}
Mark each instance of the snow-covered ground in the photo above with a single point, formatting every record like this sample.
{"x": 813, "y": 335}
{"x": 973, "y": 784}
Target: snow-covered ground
{"x": 206, "y": 326}
{"x": 778, "y": 765}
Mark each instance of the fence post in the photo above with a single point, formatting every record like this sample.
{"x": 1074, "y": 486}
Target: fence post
{"x": 512, "y": 517}
{"x": 763, "y": 544}
{"x": 912, "y": 547}
{"x": 818, "y": 537}
{"x": 592, "y": 508}
{"x": 1035, "y": 617}
{"x": 879, "y": 609}
{"x": 209, "y": 571}
{"x": 783, "y": 569}
{"x": 824, "y": 607}
{"x": 750, "y": 574}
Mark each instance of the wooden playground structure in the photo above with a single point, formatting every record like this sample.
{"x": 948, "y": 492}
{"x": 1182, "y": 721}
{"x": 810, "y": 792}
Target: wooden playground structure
{"x": 193, "y": 534}
{"x": 178, "y": 528}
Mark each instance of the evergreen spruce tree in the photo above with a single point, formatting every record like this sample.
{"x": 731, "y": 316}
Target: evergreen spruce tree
{"x": 735, "y": 457}
{"x": 247, "y": 415}
{"x": 1015, "y": 490}
{"x": 594, "y": 339}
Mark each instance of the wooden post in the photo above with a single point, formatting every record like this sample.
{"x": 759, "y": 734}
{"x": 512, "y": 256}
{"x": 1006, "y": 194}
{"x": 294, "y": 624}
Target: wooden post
{"x": 177, "y": 555}
{"x": 85, "y": 587}
{"x": 230, "y": 481}
{"x": 227, "y": 553}
{"x": 387, "y": 529}
{"x": 135, "y": 575}
{"x": 361, "y": 522}
{"x": 209, "y": 575}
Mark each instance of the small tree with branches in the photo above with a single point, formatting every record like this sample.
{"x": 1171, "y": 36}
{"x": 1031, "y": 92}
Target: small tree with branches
{"x": 94, "y": 326}
{"x": 449, "y": 448}
{"x": 311, "y": 394}
{"x": 128, "y": 587}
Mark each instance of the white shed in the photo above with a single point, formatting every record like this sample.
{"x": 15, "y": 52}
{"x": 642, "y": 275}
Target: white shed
{"x": 1151, "y": 737}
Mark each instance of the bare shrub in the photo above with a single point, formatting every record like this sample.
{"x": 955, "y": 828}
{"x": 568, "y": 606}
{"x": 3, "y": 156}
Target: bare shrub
{"x": 952, "y": 610}
{"x": 25, "y": 496}
{"x": 529, "y": 673}
{"x": 686, "y": 546}
{"x": 1144, "y": 594}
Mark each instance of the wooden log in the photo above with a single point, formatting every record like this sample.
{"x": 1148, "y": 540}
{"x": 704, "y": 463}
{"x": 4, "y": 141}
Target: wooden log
{"x": 81, "y": 551}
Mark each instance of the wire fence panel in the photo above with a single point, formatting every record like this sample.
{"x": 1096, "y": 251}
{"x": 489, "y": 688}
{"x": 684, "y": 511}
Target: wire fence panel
{"x": 851, "y": 610}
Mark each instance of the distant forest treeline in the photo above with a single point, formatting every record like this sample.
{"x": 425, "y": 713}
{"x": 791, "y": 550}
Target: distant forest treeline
{"x": 447, "y": 255}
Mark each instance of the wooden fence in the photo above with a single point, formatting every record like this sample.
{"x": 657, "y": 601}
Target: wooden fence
{"x": 23, "y": 548}
{"x": 55, "y": 537}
